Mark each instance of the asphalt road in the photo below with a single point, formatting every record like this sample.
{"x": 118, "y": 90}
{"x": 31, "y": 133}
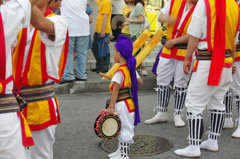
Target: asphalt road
{"x": 75, "y": 137}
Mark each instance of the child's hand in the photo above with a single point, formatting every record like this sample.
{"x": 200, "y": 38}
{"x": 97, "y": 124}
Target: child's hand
{"x": 110, "y": 110}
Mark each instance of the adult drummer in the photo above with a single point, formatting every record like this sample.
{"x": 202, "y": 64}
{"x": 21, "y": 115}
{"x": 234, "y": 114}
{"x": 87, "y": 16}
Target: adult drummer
{"x": 177, "y": 13}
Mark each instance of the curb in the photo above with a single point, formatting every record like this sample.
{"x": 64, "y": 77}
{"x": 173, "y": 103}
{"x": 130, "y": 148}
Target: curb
{"x": 149, "y": 82}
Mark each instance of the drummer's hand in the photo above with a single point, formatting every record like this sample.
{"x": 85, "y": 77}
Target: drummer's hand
{"x": 186, "y": 66}
{"x": 110, "y": 110}
{"x": 170, "y": 44}
{"x": 234, "y": 68}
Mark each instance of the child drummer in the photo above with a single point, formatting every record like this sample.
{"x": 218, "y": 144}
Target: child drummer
{"x": 123, "y": 82}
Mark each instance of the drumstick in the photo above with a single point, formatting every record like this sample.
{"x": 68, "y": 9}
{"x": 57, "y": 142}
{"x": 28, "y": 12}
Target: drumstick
{"x": 105, "y": 76}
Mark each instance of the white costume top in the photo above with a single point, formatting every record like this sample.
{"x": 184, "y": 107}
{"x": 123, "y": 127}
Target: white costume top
{"x": 20, "y": 11}
{"x": 15, "y": 15}
{"x": 199, "y": 20}
{"x": 166, "y": 11}
{"x": 75, "y": 13}
{"x": 53, "y": 48}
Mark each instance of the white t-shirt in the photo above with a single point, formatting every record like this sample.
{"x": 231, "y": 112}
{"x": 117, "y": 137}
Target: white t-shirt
{"x": 74, "y": 12}
{"x": 117, "y": 6}
{"x": 166, "y": 10}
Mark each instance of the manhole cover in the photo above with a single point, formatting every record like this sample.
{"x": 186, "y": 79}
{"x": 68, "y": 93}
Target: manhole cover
{"x": 144, "y": 145}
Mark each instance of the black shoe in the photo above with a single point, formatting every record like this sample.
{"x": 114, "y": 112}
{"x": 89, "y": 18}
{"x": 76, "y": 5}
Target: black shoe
{"x": 65, "y": 81}
{"x": 80, "y": 79}
{"x": 95, "y": 70}
{"x": 102, "y": 71}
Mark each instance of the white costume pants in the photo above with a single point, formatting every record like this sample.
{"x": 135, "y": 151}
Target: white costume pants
{"x": 169, "y": 69}
{"x": 11, "y": 146}
{"x": 236, "y": 80}
{"x": 200, "y": 94}
{"x": 127, "y": 120}
{"x": 43, "y": 144}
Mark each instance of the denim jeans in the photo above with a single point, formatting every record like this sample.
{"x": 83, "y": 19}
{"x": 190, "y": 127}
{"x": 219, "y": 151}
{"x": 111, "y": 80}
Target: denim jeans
{"x": 80, "y": 45}
{"x": 102, "y": 62}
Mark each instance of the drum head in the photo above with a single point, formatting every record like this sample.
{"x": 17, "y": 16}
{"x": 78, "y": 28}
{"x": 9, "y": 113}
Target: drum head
{"x": 107, "y": 126}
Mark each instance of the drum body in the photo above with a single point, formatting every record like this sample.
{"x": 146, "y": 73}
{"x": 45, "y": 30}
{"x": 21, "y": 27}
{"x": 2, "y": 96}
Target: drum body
{"x": 107, "y": 126}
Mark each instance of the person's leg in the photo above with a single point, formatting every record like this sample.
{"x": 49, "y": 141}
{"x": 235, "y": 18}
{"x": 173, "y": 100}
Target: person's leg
{"x": 195, "y": 131}
{"x": 105, "y": 61}
{"x": 217, "y": 111}
{"x": 165, "y": 73}
{"x": 198, "y": 96}
{"x": 43, "y": 143}
{"x": 81, "y": 50}
{"x": 228, "y": 101}
{"x": 68, "y": 72}
{"x": 11, "y": 144}
{"x": 236, "y": 133}
{"x": 180, "y": 80}
{"x": 95, "y": 52}
{"x": 127, "y": 131}
{"x": 236, "y": 91}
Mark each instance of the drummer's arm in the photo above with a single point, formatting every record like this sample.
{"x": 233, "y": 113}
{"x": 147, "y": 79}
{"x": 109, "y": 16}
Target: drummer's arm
{"x": 181, "y": 40}
{"x": 116, "y": 88}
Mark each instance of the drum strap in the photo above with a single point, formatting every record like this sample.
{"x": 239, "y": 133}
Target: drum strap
{"x": 207, "y": 55}
{"x": 38, "y": 93}
{"x": 8, "y": 103}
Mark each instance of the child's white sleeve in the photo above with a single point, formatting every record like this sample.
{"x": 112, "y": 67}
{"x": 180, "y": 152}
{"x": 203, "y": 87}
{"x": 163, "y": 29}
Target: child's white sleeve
{"x": 118, "y": 77}
{"x": 137, "y": 74}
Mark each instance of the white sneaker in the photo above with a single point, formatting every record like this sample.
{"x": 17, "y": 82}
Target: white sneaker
{"x": 144, "y": 72}
{"x": 236, "y": 133}
{"x": 114, "y": 154}
{"x": 178, "y": 120}
{"x": 160, "y": 117}
{"x": 190, "y": 151}
{"x": 210, "y": 145}
{"x": 228, "y": 124}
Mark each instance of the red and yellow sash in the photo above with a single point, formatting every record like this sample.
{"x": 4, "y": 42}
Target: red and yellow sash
{"x": 176, "y": 10}
{"x": 26, "y": 132}
{"x": 221, "y": 34}
{"x": 126, "y": 84}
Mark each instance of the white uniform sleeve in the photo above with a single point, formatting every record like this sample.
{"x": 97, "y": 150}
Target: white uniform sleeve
{"x": 166, "y": 8}
{"x": 16, "y": 15}
{"x": 196, "y": 25}
{"x": 118, "y": 77}
{"x": 60, "y": 29}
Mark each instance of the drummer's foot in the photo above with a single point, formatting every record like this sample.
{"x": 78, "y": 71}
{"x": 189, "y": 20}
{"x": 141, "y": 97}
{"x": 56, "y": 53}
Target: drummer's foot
{"x": 124, "y": 149}
{"x": 111, "y": 155}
